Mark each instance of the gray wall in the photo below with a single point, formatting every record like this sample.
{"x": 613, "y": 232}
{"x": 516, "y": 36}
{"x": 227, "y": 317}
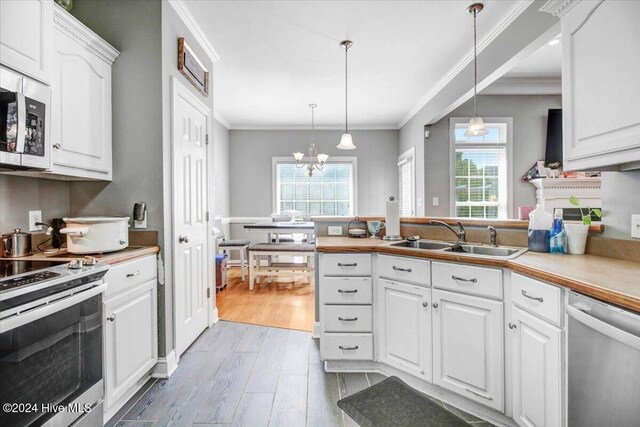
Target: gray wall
{"x": 221, "y": 170}
{"x": 620, "y": 199}
{"x": 19, "y": 195}
{"x": 251, "y": 153}
{"x": 529, "y": 139}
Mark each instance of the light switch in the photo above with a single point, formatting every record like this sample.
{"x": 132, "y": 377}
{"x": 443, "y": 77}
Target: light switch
{"x": 436, "y": 201}
{"x": 635, "y": 226}
{"x": 335, "y": 230}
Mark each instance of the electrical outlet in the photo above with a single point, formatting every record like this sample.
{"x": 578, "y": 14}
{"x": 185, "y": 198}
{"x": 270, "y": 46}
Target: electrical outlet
{"x": 436, "y": 201}
{"x": 335, "y": 230}
{"x": 35, "y": 216}
{"x": 635, "y": 226}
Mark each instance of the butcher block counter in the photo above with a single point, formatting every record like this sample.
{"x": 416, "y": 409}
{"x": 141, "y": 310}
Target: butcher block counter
{"x": 611, "y": 280}
{"x": 126, "y": 254}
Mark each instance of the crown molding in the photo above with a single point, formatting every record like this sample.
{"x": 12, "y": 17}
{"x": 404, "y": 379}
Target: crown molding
{"x": 75, "y": 29}
{"x": 524, "y": 86}
{"x": 224, "y": 122}
{"x": 308, "y": 128}
{"x": 558, "y": 7}
{"x": 506, "y": 20}
{"x": 192, "y": 25}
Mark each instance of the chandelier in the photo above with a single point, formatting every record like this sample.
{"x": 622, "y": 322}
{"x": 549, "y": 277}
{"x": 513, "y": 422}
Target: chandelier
{"x": 316, "y": 161}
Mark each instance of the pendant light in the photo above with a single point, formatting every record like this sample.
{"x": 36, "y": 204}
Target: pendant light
{"x": 316, "y": 161}
{"x": 476, "y": 124}
{"x": 346, "y": 142}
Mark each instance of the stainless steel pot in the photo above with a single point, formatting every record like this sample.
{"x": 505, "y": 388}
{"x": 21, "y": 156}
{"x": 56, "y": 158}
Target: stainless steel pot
{"x": 16, "y": 244}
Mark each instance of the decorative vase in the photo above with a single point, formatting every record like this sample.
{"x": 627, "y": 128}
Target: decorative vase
{"x": 65, "y": 4}
{"x": 576, "y": 237}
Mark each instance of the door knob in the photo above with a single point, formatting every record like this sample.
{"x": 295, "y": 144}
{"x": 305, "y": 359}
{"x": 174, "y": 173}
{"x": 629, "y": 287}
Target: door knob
{"x": 183, "y": 239}
{"x": 512, "y": 326}
{"x": 57, "y": 146}
{"x": 425, "y": 304}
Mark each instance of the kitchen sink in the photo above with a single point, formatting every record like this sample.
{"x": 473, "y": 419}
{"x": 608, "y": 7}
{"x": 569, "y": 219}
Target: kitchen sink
{"x": 471, "y": 249}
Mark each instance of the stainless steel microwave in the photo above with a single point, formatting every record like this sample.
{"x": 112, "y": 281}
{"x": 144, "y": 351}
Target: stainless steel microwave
{"x": 25, "y": 117}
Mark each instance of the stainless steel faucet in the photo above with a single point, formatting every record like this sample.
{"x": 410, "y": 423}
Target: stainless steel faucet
{"x": 493, "y": 234}
{"x": 461, "y": 234}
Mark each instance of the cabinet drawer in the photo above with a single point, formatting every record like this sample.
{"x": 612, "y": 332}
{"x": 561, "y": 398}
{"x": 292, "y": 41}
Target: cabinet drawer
{"x": 126, "y": 275}
{"x": 345, "y": 265}
{"x": 347, "y": 346}
{"x": 536, "y": 297}
{"x": 347, "y": 318}
{"x": 404, "y": 269}
{"x": 345, "y": 290}
{"x": 468, "y": 279}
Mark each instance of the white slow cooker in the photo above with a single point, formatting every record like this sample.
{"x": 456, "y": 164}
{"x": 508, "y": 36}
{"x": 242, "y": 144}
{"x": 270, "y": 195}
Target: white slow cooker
{"x": 96, "y": 234}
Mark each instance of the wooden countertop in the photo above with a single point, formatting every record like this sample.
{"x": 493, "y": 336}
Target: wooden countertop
{"x": 608, "y": 279}
{"x": 111, "y": 258}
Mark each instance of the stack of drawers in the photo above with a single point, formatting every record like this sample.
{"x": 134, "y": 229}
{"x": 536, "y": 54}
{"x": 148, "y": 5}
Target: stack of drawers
{"x": 346, "y": 295}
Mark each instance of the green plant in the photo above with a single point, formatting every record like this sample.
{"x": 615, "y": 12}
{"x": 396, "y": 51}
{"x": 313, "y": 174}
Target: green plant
{"x": 586, "y": 218}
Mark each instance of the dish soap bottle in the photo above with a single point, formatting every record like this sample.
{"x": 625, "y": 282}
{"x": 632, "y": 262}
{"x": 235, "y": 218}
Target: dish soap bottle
{"x": 557, "y": 235}
{"x": 540, "y": 222}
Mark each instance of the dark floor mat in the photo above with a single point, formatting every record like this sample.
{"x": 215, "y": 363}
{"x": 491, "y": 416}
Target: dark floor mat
{"x": 393, "y": 403}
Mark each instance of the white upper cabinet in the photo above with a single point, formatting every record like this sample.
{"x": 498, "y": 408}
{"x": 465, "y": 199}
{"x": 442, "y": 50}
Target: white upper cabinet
{"x": 600, "y": 84}
{"x": 26, "y": 28}
{"x": 404, "y": 333}
{"x": 468, "y": 347}
{"x": 81, "y": 101}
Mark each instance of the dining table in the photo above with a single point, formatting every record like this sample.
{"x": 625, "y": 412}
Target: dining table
{"x": 282, "y": 227}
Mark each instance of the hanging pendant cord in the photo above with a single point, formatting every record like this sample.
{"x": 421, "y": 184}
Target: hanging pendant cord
{"x": 475, "y": 64}
{"x": 346, "y": 93}
{"x": 312, "y": 125}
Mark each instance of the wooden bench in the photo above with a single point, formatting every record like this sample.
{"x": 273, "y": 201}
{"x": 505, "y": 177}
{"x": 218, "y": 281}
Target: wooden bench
{"x": 271, "y": 250}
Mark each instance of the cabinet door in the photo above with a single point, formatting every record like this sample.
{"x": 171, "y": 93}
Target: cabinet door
{"x": 26, "y": 27}
{"x": 600, "y": 86}
{"x": 405, "y": 327}
{"x": 468, "y": 347}
{"x": 131, "y": 340}
{"x": 537, "y": 371}
{"x": 81, "y": 129}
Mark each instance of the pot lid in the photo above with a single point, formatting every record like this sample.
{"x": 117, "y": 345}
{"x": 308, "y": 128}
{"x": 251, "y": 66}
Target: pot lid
{"x": 16, "y": 232}
{"x": 95, "y": 219}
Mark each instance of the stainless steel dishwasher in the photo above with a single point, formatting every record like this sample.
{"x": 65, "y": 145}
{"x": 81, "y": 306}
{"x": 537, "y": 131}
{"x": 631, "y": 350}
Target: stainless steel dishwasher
{"x": 603, "y": 364}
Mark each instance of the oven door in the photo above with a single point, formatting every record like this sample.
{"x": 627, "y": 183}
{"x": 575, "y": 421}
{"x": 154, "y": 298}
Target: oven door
{"x": 51, "y": 361}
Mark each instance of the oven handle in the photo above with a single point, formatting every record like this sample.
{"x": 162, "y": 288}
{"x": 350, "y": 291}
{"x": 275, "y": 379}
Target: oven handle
{"x": 604, "y": 328}
{"x": 53, "y": 307}
{"x": 21, "y": 104}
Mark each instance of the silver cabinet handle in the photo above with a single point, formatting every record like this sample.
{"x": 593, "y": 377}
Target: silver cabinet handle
{"x": 348, "y": 291}
{"x": 408, "y": 270}
{"x": 348, "y": 319}
{"x": 341, "y": 347}
{"x": 512, "y": 325}
{"x": 57, "y": 146}
{"x": 183, "y": 239}
{"x": 525, "y": 294}
{"x": 133, "y": 274}
{"x": 122, "y": 242}
{"x": 462, "y": 279}
{"x": 435, "y": 305}
{"x": 355, "y": 264}
{"x": 478, "y": 394}
{"x": 425, "y": 304}
{"x": 111, "y": 318}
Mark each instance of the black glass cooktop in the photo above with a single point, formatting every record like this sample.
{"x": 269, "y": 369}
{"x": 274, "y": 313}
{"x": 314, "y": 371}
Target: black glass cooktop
{"x": 11, "y": 268}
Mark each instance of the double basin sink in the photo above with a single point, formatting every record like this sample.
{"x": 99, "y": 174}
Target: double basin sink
{"x": 497, "y": 252}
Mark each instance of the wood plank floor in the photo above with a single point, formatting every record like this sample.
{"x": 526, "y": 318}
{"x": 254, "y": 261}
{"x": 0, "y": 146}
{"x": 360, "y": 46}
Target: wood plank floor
{"x": 238, "y": 374}
{"x": 288, "y": 303}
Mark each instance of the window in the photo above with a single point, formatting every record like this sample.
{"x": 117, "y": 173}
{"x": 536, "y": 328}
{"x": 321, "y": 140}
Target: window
{"x": 480, "y": 167}
{"x": 407, "y": 181}
{"x": 328, "y": 192}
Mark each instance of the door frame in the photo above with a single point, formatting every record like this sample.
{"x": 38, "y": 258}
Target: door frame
{"x": 178, "y": 89}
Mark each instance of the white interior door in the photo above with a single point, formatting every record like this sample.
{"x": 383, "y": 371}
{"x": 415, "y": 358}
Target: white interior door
{"x": 190, "y": 128}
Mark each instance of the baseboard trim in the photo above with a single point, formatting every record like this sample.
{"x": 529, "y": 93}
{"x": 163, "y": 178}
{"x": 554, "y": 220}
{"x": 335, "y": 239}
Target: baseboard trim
{"x": 166, "y": 366}
{"x": 316, "y": 330}
{"x": 215, "y": 316}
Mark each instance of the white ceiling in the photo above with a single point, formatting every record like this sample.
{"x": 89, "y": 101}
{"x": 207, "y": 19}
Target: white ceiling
{"x": 546, "y": 62}
{"x": 276, "y": 57}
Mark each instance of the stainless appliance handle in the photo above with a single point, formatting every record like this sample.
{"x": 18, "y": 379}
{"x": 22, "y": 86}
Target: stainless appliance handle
{"x": 48, "y": 309}
{"x": 21, "y": 104}
{"x": 604, "y": 328}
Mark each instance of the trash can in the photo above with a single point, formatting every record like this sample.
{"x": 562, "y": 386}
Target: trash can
{"x": 221, "y": 272}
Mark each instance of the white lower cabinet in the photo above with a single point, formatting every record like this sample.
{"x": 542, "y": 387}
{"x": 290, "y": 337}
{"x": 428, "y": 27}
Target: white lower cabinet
{"x": 537, "y": 371}
{"x": 404, "y": 334}
{"x": 468, "y": 347}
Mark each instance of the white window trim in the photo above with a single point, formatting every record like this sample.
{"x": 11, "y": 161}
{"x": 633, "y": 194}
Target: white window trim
{"x": 339, "y": 159}
{"x": 409, "y": 154}
{"x": 453, "y": 121}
